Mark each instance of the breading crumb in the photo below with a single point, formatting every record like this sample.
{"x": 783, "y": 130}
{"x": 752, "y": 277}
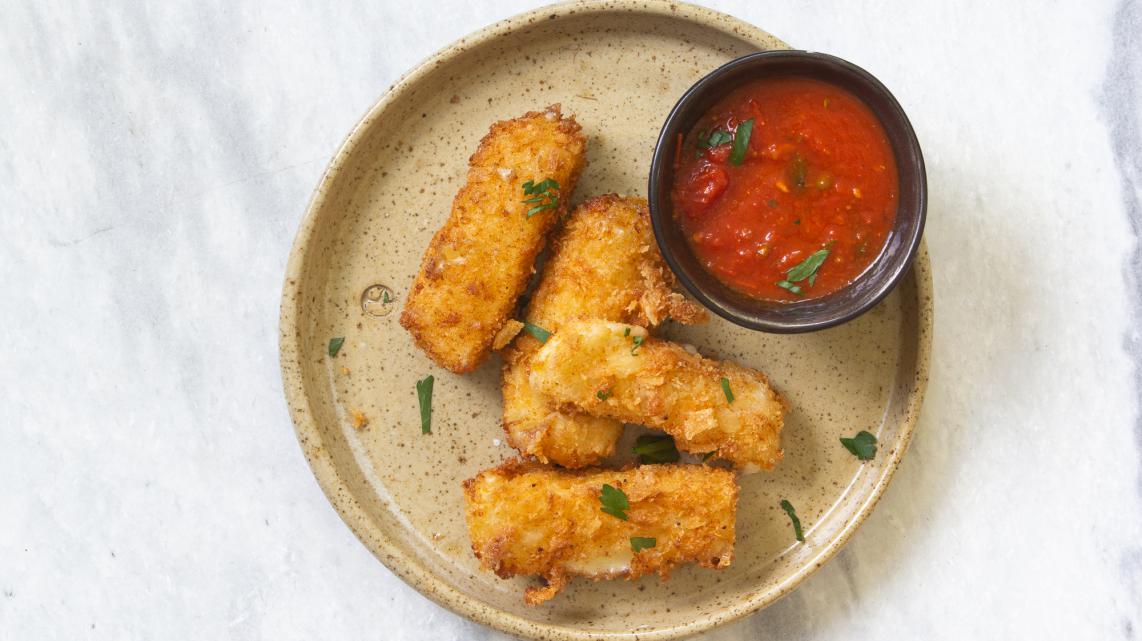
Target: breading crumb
{"x": 506, "y": 334}
{"x": 358, "y": 419}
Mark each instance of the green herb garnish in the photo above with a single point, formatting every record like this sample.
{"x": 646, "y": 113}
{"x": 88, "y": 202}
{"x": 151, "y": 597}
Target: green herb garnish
{"x": 640, "y": 543}
{"x": 727, "y": 390}
{"x": 796, "y": 289}
{"x": 806, "y": 269}
{"x": 714, "y": 138}
{"x": 335, "y": 345}
{"x": 542, "y": 195}
{"x": 603, "y": 394}
{"x": 626, "y": 332}
{"x": 653, "y": 448}
{"x": 424, "y": 395}
{"x": 538, "y": 332}
{"x": 741, "y": 142}
{"x": 385, "y": 298}
{"x": 862, "y": 446}
{"x": 614, "y": 501}
{"x": 788, "y": 507}
{"x": 637, "y": 344}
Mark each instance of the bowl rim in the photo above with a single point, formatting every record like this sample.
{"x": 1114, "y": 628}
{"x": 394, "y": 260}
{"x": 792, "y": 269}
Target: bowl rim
{"x": 661, "y": 160}
{"x": 407, "y": 567}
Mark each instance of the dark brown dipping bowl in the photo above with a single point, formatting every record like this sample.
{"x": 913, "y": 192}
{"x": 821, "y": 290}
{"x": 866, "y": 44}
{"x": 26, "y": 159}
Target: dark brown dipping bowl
{"x": 875, "y": 282}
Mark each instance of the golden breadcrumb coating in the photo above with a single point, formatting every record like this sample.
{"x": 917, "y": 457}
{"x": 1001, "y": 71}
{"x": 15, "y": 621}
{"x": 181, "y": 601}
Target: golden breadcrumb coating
{"x": 617, "y": 371}
{"x": 479, "y": 262}
{"x": 604, "y": 265}
{"x": 524, "y": 518}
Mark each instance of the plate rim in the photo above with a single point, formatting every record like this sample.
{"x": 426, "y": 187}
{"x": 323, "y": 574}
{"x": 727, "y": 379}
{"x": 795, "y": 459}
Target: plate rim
{"x": 411, "y": 570}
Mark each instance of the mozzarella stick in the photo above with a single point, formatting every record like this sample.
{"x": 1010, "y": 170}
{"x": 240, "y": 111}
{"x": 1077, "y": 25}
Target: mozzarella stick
{"x": 527, "y": 519}
{"x": 617, "y": 371}
{"x": 478, "y": 263}
{"x": 604, "y": 265}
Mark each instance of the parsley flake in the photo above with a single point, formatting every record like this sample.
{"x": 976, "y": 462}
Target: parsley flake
{"x": 714, "y": 138}
{"x": 727, "y": 390}
{"x": 741, "y": 142}
{"x": 637, "y": 344}
{"x": 538, "y": 332}
{"x": 653, "y": 448}
{"x": 614, "y": 501}
{"x": 603, "y": 394}
{"x": 796, "y": 289}
{"x": 424, "y": 395}
{"x": 788, "y": 507}
{"x": 335, "y": 345}
{"x": 544, "y": 195}
{"x": 640, "y": 543}
{"x": 805, "y": 270}
{"x": 862, "y": 446}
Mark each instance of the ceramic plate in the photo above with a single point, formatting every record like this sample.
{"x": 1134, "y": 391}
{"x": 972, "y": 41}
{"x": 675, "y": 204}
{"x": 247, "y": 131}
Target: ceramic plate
{"x": 618, "y": 67}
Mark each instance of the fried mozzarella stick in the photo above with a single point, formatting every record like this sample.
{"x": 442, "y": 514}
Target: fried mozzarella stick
{"x": 519, "y": 182}
{"x": 524, "y": 518}
{"x": 616, "y": 371}
{"x": 603, "y": 265}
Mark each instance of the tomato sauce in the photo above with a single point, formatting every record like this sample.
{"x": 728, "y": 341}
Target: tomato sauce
{"x": 786, "y": 189}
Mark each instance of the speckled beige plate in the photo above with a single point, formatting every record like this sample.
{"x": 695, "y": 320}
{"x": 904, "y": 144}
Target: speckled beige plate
{"x": 619, "y": 67}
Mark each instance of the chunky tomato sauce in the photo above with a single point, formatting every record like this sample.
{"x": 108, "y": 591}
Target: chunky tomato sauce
{"x": 797, "y": 207}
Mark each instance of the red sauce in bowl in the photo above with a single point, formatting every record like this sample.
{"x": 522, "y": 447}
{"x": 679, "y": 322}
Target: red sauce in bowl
{"x": 786, "y": 189}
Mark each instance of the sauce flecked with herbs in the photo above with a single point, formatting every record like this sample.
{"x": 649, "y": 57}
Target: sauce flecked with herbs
{"x": 786, "y": 189}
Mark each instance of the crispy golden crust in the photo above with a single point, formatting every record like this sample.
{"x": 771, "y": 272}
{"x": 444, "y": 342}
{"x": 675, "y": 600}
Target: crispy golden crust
{"x": 604, "y": 265}
{"x": 479, "y": 262}
{"x": 524, "y": 518}
{"x": 663, "y": 385}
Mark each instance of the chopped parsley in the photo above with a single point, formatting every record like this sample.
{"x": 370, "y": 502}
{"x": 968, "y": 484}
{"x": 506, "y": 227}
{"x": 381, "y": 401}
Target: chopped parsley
{"x": 385, "y": 298}
{"x": 788, "y": 507}
{"x": 626, "y": 332}
{"x": 862, "y": 446}
{"x": 715, "y": 138}
{"x": 603, "y": 394}
{"x": 741, "y": 142}
{"x": 796, "y": 289}
{"x": 335, "y": 345}
{"x": 544, "y": 195}
{"x": 614, "y": 501}
{"x": 806, "y": 269}
{"x": 424, "y": 395}
{"x": 538, "y": 332}
{"x": 640, "y": 543}
{"x": 727, "y": 390}
{"x": 637, "y": 344}
{"x": 653, "y": 448}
